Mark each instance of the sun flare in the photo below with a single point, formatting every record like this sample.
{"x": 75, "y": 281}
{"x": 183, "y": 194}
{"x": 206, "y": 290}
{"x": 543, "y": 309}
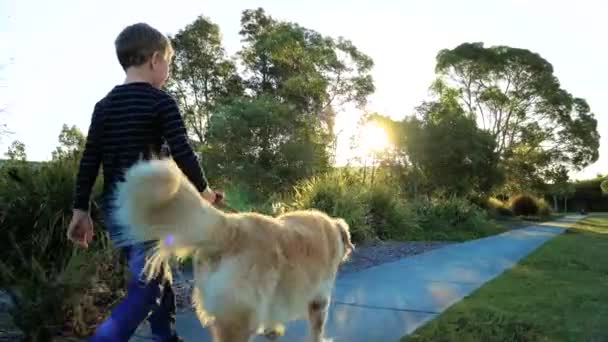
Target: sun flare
{"x": 373, "y": 139}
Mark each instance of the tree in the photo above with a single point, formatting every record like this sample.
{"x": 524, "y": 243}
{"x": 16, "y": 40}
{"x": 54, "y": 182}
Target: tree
{"x": 202, "y": 76}
{"x": 513, "y": 94}
{"x": 71, "y": 143}
{"x": 264, "y": 144}
{"x": 449, "y": 151}
{"x": 560, "y": 186}
{"x": 281, "y": 129}
{"x": 301, "y": 67}
{"x": 16, "y": 152}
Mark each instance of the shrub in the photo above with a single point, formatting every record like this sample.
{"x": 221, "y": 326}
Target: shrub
{"x": 336, "y": 193}
{"x": 498, "y": 208}
{"x": 53, "y": 284}
{"x": 544, "y": 210}
{"x": 378, "y": 211}
{"x": 452, "y": 218}
{"x": 524, "y": 205}
{"x": 388, "y": 216}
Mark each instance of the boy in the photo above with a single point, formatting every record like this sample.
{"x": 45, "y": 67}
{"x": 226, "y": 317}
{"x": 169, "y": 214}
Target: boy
{"x": 129, "y": 122}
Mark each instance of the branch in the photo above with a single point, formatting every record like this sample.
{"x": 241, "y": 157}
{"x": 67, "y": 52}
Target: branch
{"x": 335, "y": 90}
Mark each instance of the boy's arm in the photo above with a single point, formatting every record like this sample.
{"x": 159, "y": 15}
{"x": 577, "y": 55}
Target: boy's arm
{"x": 174, "y": 131}
{"x": 89, "y": 164}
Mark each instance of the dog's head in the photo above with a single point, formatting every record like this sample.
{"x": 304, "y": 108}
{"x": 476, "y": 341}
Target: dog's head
{"x": 345, "y": 235}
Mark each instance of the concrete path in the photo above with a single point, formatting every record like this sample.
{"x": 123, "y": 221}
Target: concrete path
{"x": 388, "y": 301}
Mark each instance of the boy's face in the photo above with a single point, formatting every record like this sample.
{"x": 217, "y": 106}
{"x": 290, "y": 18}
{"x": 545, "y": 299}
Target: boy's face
{"x": 160, "y": 65}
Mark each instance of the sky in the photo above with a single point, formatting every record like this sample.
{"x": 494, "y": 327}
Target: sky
{"x": 58, "y": 56}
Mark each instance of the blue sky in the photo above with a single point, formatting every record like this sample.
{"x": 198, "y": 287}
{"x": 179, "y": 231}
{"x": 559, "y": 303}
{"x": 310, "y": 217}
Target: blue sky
{"x": 59, "y": 58}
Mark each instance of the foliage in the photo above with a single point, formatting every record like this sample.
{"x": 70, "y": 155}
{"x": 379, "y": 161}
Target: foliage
{"x": 301, "y": 66}
{"x": 71, "y": 143}
{"x": 264, "y": 144}
{"x": 52, "y": 283}
{"x": 524, "y": 205}
{"x": 337, "y": 194}
{"x": 388, "y": 215}
{"x": 498, "y": 208}
{"x": 544, "y": 210}
{"x": 202, "y": 76}
{"x": 513, "y": 92}
{"x": 268, "y": 124}
{"x": 16, "y": 151}
{"x": 454, "y": 155}
{"x": 452, "y": 218}
{"x": 380, "y": 211}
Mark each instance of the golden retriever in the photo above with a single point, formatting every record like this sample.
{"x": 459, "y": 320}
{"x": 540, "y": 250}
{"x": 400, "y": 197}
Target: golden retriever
{"x": 252, "y": 272}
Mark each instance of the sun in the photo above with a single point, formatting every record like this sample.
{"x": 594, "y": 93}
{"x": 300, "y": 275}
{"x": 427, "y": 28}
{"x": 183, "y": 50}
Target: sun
{"x": 373, "y": 139}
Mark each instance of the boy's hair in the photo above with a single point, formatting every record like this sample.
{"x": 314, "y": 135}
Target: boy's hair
{"x": 137, "y": 43}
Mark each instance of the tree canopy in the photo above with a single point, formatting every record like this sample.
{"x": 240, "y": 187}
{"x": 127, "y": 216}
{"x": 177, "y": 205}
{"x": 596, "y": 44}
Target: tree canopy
{"x": 268, "y": 111}
{"x": 514, "y": 95}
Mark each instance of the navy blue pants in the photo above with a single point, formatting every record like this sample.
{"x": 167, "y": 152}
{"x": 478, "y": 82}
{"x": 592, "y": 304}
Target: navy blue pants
{"x": 153, "y": 300}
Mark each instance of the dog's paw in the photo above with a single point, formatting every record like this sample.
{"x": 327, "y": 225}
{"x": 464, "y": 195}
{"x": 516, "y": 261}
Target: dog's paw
{"x": 272, "y": 333}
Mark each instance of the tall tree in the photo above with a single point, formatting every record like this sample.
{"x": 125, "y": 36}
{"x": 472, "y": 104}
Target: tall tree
{"x": 281, "y": 129}
{"x": 301, "y": 67}
{"x": 560, "y": 187}
{"x": 71, "y": 142}
{"x": 264, "y": 144}
{"x": 450, "y": 152}
{"x": 16, "y": 152}
{"x": 201, "y": 74}
{"x": 513, "y": 94}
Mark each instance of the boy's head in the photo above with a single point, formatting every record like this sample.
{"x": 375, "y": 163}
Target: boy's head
{"x": 143, "y": 48}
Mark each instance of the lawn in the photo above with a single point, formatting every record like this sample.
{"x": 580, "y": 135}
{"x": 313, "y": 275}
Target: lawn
{"x": 558, "y": 293}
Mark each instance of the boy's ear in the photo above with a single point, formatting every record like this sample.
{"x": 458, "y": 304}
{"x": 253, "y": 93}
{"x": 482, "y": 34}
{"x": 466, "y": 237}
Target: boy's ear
{"x": 155, "y": 59}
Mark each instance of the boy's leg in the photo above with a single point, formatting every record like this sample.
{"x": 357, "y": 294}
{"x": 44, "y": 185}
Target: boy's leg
{"x": 141, "y": 299}
{"x": 162, "y": 320}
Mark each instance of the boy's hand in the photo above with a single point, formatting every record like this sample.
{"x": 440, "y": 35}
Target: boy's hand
{"x": 80, "y": 230}
{"x": 212, "y": 196}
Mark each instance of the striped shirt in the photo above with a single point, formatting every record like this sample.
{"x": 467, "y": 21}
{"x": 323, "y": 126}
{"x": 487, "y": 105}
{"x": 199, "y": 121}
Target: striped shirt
{"x": 131, "y": 121}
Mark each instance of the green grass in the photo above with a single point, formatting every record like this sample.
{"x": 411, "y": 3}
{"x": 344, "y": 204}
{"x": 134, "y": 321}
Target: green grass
{"x": 558, "y": 293}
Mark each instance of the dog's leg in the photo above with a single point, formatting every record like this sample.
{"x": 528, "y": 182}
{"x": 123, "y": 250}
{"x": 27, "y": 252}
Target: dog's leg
{"x": 234, "y": 330}
{"x": 317, "y": 314}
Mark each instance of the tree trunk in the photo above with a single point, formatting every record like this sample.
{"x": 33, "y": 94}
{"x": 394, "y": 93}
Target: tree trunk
{"x": 555, "y": 208}
{"x": 565, "y": 204}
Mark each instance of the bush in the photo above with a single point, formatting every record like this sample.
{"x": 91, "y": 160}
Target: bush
{"x": 53, "y": 284}
{"x": 389, "y": 217}
{"x": 377, "y": 210}
{"x": 544, "y": 210}
{"x": 336, "y": 193}
{"x": 452, "y": 218}
{"x": 524, "y": 205}
{"x": 498, "y": 208}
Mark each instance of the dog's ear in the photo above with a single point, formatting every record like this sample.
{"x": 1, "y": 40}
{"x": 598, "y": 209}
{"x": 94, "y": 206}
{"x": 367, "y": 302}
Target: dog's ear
{"x": 345, "y": 234}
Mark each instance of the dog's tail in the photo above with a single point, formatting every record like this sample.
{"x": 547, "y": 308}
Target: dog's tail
{"x": 156, "y": 202}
